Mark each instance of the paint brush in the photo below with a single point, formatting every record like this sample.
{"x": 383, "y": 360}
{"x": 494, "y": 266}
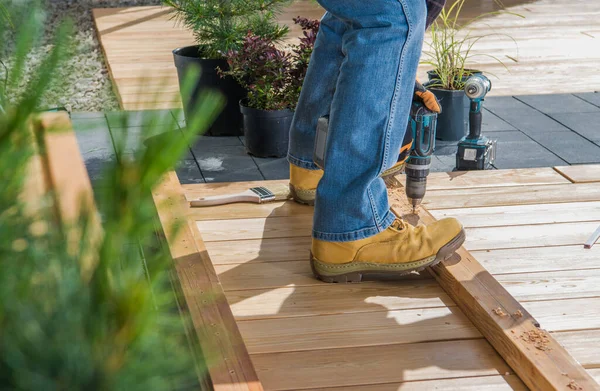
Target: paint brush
{"x": 257, "y": 195}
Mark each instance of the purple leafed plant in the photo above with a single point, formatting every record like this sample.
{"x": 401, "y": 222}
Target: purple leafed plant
{"x": 272, "y": 76}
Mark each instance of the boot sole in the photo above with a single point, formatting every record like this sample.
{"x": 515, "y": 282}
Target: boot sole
{"x": 300, "y": 200}
{"x": 356, "y": 271}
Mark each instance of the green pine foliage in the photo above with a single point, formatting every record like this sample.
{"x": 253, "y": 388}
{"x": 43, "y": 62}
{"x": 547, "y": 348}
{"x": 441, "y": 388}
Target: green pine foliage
{"x": 221, "y": 25}
{"x": 111, "y": 322}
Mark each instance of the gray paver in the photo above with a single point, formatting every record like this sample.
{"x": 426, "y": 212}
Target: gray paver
{"x": 493, "y": 123}
{"x": 273, "y": 168}
{"x": 534, "y": 122}
{"x": 516, "y": 150}
{"x": 208, "y": 143}
{"x": 586, "y": 124}
{"x": 590, "y": 97}
{"x": 188, "y": 172}
{"x": 126, "y": 119}
{"x": 227, "y": 164}
{"x": 93, "y": 137}
{"x": 570, "y": 146}
{"x": 558, "y": 103}
{"x": 500, "y": 105}
{"x": 443, "y": 163}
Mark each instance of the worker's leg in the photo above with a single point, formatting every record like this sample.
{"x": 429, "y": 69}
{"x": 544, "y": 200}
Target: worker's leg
{"x": 317, "y": 91}
{"x": 368, "y": 115}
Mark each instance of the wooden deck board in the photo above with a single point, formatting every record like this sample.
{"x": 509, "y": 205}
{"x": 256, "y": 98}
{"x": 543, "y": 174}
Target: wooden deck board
{"x": 555, "y": 40}
{"x": 581, "y": 174}
{"x": 525, "y": 233}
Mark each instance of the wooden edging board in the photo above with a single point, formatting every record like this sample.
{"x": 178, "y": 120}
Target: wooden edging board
{"x": 229, "y": 365}
{"x": 534, "y": 355}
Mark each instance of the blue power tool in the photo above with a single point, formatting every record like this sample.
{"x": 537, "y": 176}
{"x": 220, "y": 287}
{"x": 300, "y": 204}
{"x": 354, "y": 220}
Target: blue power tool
{"x": 422, "y": 125}
{"x": 476, "y": 152}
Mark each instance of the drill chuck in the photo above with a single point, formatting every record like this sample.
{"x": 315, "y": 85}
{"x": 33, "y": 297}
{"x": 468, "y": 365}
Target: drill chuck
{"x": 417, "y": 169}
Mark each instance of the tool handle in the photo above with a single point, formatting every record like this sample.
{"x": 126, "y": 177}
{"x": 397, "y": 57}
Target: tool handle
{"x": 475, "y": 119}
{"x": 247, "y": 196}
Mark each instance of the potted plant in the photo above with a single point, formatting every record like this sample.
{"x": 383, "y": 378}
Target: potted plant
{"x": 220, "y": 26}
{"x": 450, "y": 49}
{"x": 273, "y": 78}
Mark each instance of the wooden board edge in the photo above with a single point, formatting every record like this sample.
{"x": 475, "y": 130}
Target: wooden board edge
{"x": 215, "y": 325}
{"x": 535, "y": 356}
{"x": 559, "y": 170}
{"x": 67, "y": 180}
{"x": 113, "y": 82}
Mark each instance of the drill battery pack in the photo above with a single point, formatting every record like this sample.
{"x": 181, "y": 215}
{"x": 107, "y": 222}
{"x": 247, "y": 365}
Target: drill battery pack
{"x": 475, "y": 154}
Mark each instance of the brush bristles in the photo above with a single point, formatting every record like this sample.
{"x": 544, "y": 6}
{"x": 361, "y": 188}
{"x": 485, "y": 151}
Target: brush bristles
{"x": 281, "y": 192}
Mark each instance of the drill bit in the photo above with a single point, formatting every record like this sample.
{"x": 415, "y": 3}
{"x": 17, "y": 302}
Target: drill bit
{"x": 415, "y": 204}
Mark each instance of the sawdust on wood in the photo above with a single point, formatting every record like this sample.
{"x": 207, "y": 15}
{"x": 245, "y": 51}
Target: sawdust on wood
{"x": 518, "y": 314}
{"x": 498, "y": 311}
{"x": 538, "y": 338}
{"x": 574, "y": 386}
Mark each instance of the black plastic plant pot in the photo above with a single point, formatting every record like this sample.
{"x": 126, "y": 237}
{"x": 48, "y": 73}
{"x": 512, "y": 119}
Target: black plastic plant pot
{"x": 453, "y": 121}
{"x": 229, "y": 121}
{"x": 266, "y": 133}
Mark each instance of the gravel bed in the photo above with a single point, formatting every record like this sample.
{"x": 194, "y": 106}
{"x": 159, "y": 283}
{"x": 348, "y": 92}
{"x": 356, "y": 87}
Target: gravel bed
{"x": 83, "y": 82}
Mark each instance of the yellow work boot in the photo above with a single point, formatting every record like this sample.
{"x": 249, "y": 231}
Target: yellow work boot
{"x": 398, "y": 250}
{"x": 303, "y": 182}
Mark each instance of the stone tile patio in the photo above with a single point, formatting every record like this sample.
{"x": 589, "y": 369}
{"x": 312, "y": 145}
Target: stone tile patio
{"x": 532, "y": 131}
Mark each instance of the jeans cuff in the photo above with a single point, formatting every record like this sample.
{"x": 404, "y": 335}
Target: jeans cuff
{"x": 364, "y": 233}
{"x": 309, "y": 165}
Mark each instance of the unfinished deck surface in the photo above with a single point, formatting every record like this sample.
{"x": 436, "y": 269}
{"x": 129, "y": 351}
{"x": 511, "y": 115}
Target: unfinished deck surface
{"x": 557, "y": 39}
{"x": 527, "y": 227}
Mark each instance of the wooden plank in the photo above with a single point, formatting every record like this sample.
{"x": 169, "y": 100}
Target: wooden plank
{"x": 336, "y": 299}
{"x": 523, "y": 214}
{"x": 260, "y": 250}
{"x": 529, "y": 235}
{"x": 541, "y": 285}
{"x": 218, "y": 333}
{"x": 272, "y": 227}
{"x": 535, "y": 259}
{"x": 566, "y": 315}
{"x": 482, "y": 238}
{"x": 493, "y": 178}
{"x": 579, "y": 344}
{"x": 581, "y": 173}
{"x": 356, "y": 330}
{"x": 499, "y": 196}
{"x": 479, "y": 383}
{"x": 242, "y": 211}
{"x": 478, "y": 294}
{"x": 66, "y": 175}
{"x": 381, "y": 364}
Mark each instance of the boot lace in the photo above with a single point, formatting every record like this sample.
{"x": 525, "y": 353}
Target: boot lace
{"x": 399, "y": 224}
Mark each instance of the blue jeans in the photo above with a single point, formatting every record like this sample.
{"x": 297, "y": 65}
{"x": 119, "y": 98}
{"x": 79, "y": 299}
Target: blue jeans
{"x": 362, "y": 74}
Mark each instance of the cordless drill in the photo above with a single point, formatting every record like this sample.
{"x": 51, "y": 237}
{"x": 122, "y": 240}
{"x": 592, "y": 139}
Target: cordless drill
{"x": 422, "y": 125}
{"x": 476, "y": 152}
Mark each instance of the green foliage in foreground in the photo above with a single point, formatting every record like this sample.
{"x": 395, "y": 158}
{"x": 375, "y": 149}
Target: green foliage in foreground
{"x": 68, "y": 326}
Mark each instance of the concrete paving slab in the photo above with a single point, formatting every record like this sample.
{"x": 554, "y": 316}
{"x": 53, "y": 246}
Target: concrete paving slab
{"x": 500, "y": 105}
{"x": 493, "y": 123}
{"x": 188, "y": 172}
{"x": 516, "y": 150}
{"x": 208, "y": 143}
{"x": 273, "y": 168}
{"x": 534, "y": 122}
{"x": 227, "y": 164}
{"x": 558, "y": 103}
{"x": 570, "y": 146}
{"x": 586, "y": 124}
{"x": 590, "y": 97}
{"x": 126, "y": 119}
